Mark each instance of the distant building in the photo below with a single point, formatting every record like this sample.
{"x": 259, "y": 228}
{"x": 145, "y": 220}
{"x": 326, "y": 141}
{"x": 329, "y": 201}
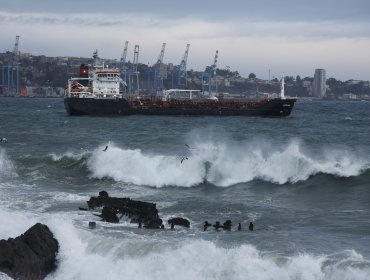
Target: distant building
{"x": 319, "y": 83}
{"x": 308, "y": 86}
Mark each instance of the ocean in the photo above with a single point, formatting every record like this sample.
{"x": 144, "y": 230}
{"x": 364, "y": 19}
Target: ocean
{"x": 304, "y": 181}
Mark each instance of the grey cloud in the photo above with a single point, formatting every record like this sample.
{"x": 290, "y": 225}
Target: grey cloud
{"x": 60, "y": 19}
{"x": 287, "y": 10}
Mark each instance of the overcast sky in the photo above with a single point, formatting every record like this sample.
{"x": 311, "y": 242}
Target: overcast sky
{"x": 291, "y": 37}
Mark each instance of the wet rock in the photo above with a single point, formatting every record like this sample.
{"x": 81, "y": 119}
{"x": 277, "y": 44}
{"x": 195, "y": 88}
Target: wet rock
{"x": 217, "y": 225}
{"x": 92, "y": 225}
{"x": 144, "y": 212}
{"x": 206, "y": 225}
{"x": 109, "y": 214}
{"x": 227, "y": 225}
{"x": 30, "y": 256}
{"x": 178, "y": 221}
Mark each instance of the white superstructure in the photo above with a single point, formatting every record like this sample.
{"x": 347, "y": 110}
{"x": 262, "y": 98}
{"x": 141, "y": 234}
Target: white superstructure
{"x": 101, "y": 82}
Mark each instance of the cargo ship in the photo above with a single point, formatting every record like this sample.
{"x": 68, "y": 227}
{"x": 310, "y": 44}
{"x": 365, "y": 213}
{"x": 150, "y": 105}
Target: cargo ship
{"x": 101, "y": 91}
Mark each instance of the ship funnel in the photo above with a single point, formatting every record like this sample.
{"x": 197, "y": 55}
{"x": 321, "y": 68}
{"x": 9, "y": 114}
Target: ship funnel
{"x": 84, "y": 73}
{"x": 282, "y": 95}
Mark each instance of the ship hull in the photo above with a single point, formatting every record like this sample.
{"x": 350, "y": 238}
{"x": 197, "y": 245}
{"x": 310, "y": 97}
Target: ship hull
{"x": 97, "y": 107}
{"x": 121, "y": 106}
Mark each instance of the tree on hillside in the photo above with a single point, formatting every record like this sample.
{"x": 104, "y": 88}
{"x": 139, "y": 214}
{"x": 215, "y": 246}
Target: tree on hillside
{"x": 298, "y": 81}
{"x": 289, "y": 80}
{"x": 332, "y": 83}
{"x": 251, "y": 76}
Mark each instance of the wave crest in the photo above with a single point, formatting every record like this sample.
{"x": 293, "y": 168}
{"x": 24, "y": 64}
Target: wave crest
{"x": 224, "y": 164}
{"x": 196, "y": 259}
{"x": 7, "y": 168}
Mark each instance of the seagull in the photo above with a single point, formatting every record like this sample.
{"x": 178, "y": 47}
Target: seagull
{"x": 184, "y": 159}
{"x": 190, "y": 148}
{"x": 106, "y": 148}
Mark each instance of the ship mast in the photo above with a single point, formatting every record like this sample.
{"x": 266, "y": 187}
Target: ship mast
{"x": 135, "y": 64}
{"x": 282, "y": 96}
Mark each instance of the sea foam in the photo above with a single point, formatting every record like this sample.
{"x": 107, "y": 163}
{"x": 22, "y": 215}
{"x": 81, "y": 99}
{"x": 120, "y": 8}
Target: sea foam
{"x": 88, "y": 256}
{"x": 225, "y": 164}
{"x": 7, "y": 168}
{"x": 69, "y": 155}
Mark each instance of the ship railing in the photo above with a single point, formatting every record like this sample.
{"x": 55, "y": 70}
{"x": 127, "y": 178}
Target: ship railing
{"x": 180, "y": 94}
{"x": 76, "y": 89}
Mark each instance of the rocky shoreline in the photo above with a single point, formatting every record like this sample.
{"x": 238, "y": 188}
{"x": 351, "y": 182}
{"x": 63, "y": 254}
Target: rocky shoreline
{"x": 30, "y": 256}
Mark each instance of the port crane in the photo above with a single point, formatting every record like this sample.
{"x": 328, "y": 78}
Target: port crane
{"x": 10, "y": 73}
{"x": 179, "y": 75}
{"x": 15, "y": 52}
{"x": 123, "y": 57}
{"x": 157, "y": 73}
{"x": 214, "y": 65}
{"x": 134, "y": 83}
{"x": 210, "y": 75}
{"x": 161, "y": 56}
{"x": 122, "y": 64}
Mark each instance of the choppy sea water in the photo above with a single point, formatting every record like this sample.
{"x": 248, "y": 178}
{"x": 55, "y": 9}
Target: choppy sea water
{"x": 304, "y": 181}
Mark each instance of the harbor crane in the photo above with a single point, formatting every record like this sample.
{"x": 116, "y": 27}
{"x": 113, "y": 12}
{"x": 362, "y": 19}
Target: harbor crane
{"x": 15, "y": 56}
{"x": 124, "y": 55}
{"x": 179, "y": 75}
{"x": 182, "y": 69}
{"x": 214, "y": 65}
{"x": 159, "y": 64}
{"x": 122, "y": 64}
{"x": 210, "y": 76}
{"x": 157, "y": 73}
{"x": 161, "y": 55}
{"x": 134, "y": 82}
{"x": 9, "y": 79}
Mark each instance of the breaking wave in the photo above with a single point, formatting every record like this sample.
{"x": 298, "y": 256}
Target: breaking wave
{"x": 85, "y": 256}
{"x": 7, "y": 168}
{"x": 94, "y": 254}
{"x": 225, "y": 164}
{"x": 69, "y": 155}
{"x": 89, "y": 255}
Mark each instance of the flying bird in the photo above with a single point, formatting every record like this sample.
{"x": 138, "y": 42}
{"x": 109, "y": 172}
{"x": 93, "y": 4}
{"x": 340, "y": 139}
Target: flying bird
{"x": 183, "y": 159}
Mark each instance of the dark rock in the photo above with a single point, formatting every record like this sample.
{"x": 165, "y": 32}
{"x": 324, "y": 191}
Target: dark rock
{"x": 82, "y": 209}
{"x": 227, "y": 225}
{"x": 136, "y": 210}
{"x": 206, "y": 225}
{"x": 179, "y": 222}
{"x": 92, "y": 225}
{"x": 103, "y": 194}
{"x": 109, "y": 214}
{"x": 30, "y": 256}
{"x": 217, "y": 225}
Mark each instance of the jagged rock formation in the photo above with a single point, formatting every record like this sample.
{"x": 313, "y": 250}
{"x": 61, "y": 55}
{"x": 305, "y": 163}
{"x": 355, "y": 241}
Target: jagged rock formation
{"x": 138, "y": 211}
{"x": 30, "y": 256}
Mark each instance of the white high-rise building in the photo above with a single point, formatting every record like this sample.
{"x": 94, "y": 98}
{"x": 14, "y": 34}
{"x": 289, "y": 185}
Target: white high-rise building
{"x": 319, "y": 83}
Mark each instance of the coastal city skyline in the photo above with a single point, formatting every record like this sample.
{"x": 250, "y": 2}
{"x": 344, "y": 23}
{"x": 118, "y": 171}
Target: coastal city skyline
{"x": 288, "y": 37}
